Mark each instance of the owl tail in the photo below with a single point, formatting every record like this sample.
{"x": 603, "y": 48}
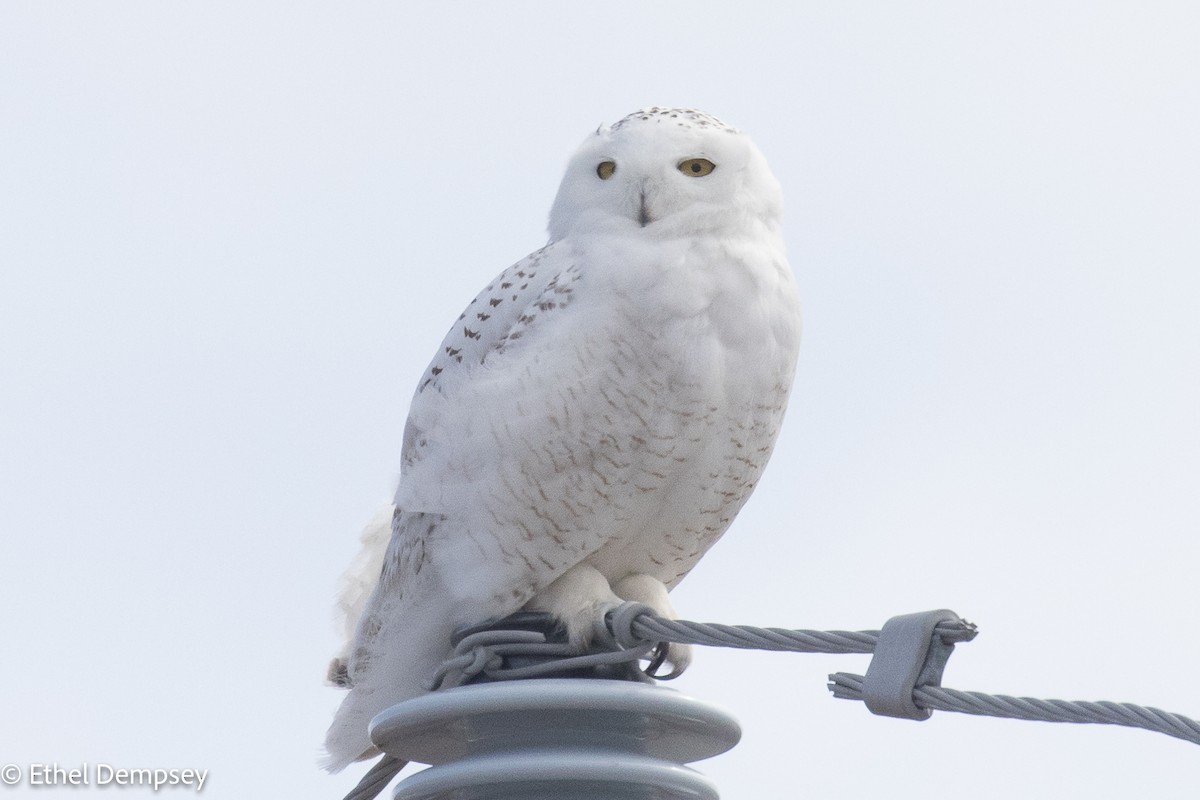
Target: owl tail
{"x": 403, "y": 659}
{"x": 403, "y": 637}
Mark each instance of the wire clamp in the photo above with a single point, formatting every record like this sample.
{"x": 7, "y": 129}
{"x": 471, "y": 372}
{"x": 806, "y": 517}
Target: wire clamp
{"x": 911, "y": 653}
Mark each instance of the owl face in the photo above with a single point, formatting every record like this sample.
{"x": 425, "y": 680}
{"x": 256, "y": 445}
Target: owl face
{"x": 663, "y": 173}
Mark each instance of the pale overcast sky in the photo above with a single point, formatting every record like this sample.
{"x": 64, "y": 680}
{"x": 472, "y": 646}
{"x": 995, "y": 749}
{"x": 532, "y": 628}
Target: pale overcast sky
{"x": 233, "y": 234}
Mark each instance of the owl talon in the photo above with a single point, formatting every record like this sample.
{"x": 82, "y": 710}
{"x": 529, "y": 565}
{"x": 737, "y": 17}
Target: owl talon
{"x": 660, "y": 657}
{"x": 645, "y": 589}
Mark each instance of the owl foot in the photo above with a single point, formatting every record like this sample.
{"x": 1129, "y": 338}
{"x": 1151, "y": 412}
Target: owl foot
{"x": 577, "y": 598}
{"x": 640, "y": 588}
{"x": 582, "y": 595}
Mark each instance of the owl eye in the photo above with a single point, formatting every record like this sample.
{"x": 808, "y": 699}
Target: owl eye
{"x": 605, "y": 169}
{"x": 696, "y": 167}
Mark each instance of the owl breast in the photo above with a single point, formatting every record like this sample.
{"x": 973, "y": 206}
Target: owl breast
{"x": 699, "y": 347}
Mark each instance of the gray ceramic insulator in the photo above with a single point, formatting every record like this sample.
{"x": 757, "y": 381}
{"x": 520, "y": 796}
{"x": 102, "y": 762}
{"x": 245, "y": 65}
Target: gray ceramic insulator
{"x": 554, "y": 739}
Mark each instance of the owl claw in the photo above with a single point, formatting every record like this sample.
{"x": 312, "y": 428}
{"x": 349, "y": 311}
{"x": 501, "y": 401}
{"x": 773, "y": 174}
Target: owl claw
{"x": 646, "y": 589}
{"x": 678, "y": 656}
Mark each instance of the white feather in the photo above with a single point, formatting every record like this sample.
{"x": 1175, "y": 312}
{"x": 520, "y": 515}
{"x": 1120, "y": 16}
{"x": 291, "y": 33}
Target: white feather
{"x": 359, "y": 580}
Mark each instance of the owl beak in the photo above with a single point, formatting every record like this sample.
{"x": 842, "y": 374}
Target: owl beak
{"x": 643, "y": 216}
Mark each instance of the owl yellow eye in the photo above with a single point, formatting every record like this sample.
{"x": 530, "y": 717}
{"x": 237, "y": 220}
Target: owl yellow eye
{"x": 696, "y": 167}
{"x": 605, "y": 169}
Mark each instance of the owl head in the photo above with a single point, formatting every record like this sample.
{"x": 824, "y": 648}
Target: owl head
{"x": 664, "y": 173}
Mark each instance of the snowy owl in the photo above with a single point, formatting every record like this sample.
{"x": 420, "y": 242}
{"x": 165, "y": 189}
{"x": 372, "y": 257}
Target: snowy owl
{"x": 595, "y": 418}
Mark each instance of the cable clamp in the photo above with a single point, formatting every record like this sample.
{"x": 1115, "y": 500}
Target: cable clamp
{"x": 911, "y": 653}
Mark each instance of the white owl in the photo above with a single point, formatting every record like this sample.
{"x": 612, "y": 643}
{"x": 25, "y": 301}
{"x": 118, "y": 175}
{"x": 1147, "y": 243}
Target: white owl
{"x": 596, "y": 417}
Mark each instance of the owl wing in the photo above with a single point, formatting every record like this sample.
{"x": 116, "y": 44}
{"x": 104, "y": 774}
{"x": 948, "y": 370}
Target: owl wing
{"x": 393, "y": 544}
{"x": 492, "y": 322}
